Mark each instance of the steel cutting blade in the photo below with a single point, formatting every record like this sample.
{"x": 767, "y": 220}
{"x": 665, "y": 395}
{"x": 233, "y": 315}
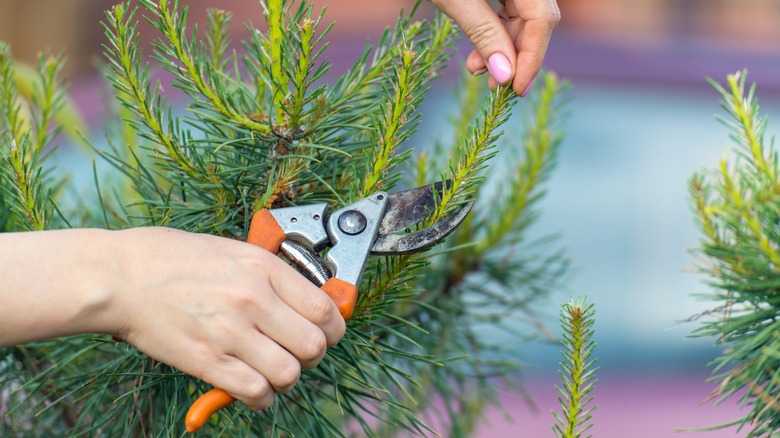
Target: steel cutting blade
{"x": 407, "y": 209}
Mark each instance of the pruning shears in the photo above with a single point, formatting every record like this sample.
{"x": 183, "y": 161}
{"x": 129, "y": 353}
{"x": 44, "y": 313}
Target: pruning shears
{"x": 377, "y": 225}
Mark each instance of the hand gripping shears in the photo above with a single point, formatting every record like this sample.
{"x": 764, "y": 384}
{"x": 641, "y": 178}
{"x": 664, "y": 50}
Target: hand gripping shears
{"x": 379, "y": 224}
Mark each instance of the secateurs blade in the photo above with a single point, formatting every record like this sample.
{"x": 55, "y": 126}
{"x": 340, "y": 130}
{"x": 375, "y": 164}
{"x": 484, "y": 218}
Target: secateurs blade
{"x": 379, "y": 224}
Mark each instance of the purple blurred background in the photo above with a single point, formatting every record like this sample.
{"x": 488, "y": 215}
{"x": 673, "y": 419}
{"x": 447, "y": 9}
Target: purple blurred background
{"x": 641, "y": 122}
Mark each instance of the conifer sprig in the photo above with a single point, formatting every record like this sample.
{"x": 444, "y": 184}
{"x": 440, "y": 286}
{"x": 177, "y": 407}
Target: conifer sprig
{"x": 12, "y": 127}
{"x": 25, "y": 186}
{"x": 542, "y": 138}
{"x": 473, "y": 152}
{"x": 47, "y": 99}
{"x": 415, "y": 67}
{"x": 218, "y": 41}
{"x": 737, "y": 208}
{"x": 134, "y": 88}
{"x": 577, "y": 370}
{"x": 182, "y": 56}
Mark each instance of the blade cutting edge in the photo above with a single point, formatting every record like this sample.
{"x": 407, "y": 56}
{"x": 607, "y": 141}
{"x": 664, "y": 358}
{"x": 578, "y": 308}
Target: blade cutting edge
{"x": 388, "y": 244}
{"x": 407, "y": 208}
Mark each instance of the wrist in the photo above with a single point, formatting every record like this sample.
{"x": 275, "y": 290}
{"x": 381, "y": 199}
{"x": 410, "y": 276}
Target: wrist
{"x": 101, "y": 309}
{"x": 89, "y": 277}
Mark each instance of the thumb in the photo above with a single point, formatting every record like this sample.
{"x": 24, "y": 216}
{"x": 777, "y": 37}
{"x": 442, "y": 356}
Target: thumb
{"x": 487, "y": 33}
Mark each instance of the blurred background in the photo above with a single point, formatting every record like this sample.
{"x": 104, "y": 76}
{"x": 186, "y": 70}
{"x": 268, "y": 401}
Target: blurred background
{"x": 641, "y": 123}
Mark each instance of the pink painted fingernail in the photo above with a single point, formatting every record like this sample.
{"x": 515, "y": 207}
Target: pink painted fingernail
{"x": 528, "y": 88}
{"x": 480, "y": 72}
{"x": 500, "y": 68}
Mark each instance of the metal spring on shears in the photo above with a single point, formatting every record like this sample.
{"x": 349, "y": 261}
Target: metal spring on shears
{"x": 307, "y": 263}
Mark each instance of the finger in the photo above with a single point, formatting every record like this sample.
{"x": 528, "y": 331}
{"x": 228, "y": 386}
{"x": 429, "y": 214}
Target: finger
{"x": 310, "y": 302}
{"x": 486, "y": 31}
{"x": 288, "y": 328}
{"x": 474, "y": 64}
{"x": 240, "y": 381}
{"x": 533, "y": 42}
{"x": 277, "y": 365}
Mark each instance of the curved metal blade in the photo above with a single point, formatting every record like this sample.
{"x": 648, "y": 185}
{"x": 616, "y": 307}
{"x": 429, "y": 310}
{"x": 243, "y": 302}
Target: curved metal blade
{"x": 387, "y": 244}
{"x": 407, "y": 208}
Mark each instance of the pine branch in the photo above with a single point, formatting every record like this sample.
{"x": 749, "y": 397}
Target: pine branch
{"x": 473, "y": 153}
{"x": 48, "y": 98}
{"x": 34, "y": 99}
{"x": 218, "y": 37}
{"x": 11, "y": 124}
{"x": 276, "y": 27}
{"x": 401, "y": 102}
{"x": 737, "y": 211}
{"x": 306, "y": 58}
{"x": 131, "y": 80}
{"x": 34, "y": 84}
{"x": 542, "y": 138}
{"x": 409, "y": 77}
{"x": 577, "y": 369}
{"x": 25, "y": 186}
{"x": 196, "y": 76}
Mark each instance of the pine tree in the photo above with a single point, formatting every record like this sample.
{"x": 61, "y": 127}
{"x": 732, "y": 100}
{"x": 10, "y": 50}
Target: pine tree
{"x": 737, "y": 208}
{"x": 262, "y": 129}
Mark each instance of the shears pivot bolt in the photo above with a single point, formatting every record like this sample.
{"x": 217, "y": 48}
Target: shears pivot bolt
{"x": 352, "y": 222}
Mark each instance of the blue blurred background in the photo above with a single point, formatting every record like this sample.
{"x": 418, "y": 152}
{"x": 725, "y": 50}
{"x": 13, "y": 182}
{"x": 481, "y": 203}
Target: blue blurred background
{"x": 641, "y": 123}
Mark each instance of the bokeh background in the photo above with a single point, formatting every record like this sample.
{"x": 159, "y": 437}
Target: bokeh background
{"x": 641, "y": 122}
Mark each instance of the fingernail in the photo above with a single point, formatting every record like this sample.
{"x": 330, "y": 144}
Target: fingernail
{"x": 528, "y": 88}
{"x": 480, "y": 72}
{"x": 500, "y": 68}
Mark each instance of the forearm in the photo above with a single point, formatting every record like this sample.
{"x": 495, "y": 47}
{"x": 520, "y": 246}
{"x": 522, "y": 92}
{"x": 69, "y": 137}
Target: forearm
{"x": 229, "y": 313}
{"x": 56, "y": 283}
